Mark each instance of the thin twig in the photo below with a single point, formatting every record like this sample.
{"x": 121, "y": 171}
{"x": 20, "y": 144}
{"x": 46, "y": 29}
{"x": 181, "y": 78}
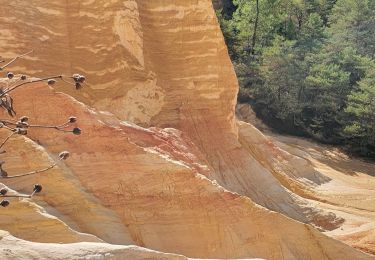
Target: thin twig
{"x": 64, "y": 125}
{"x": 12, "y": 84}
{"x": 14, "y": 59}
{"x": 63, "y": 130}
{"x": 9, "y": 128}
{"x": 29, "y": 173}
{"x": 71, "y": 83}
{"x": 44, "y": 126}
{"x": 29, "y": 82}
{"x": 7, "y": 121}
{"x": 17, "y": 196}
{"x": 6, "y": 139}
{"x": 58, "y": 127}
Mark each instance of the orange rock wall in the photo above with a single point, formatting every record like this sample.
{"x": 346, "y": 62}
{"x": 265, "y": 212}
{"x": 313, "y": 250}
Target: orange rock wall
{"x": 162, "y": 162}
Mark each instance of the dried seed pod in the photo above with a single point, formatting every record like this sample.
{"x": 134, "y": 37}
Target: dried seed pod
{"x": 51, "y": 82}
{"x": 4, "y": 203}
{"x": 3, "y": 173}
{"x": 24, "y": 119}
{"x": 23, "y": 77}
{"x": 64, "y": 155}
{"x": 81, "y": 78}
{"x": 3, "y": 191}
{"x": 78, "y": 85}
{"x": 6, "y": 102}
{"x": 72, "y": 119}
{"x": 37, "y": 188}
{"x": 76, "y": 77}
{"x": 21, "y": 131}
{"x": 21, "y": 124}
{"x": 76, "y": 131}
{"x": 10, "y": 75}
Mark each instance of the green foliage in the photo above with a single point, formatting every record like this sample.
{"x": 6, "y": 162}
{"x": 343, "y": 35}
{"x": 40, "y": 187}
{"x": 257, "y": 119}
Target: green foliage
{"x": 353, "y": 25}
{"x": 361, "y": 109}
{"x": 312, "y": 68}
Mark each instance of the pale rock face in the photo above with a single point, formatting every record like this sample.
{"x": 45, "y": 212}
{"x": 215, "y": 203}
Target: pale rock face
{"x": 162, "y": 162}
{"x": 13, "y": 248}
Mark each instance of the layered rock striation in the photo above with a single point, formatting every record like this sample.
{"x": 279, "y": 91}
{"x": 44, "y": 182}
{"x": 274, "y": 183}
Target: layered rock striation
{"x": 162, "y": 162}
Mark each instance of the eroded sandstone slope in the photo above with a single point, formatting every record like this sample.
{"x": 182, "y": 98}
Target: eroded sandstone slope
{"x": 16, "y": 249}
{"x": 150, "y": 184}
{"x": 162, "y": 162}
{"x": 154, "y": 63}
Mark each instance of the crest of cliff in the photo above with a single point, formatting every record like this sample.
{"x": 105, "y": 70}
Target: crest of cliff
{"x": 162, "y": 163}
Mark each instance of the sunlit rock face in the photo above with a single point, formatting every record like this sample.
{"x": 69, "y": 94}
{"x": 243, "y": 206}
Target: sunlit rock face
{"x": 162, "y": 162}
{"x": 125, "y": 184}
{"x": 149, "y": 62}
{"x": 154, "y": 63}
{"x": 13, "y": 248}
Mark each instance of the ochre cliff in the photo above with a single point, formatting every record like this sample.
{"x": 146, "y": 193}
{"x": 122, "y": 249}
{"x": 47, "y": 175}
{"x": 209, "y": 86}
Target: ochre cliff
{"x": 154, "y": 63}
{"x": 162, "y": 162}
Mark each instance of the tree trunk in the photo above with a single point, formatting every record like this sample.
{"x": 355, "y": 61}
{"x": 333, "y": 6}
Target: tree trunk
{"x": 254, "y": 38}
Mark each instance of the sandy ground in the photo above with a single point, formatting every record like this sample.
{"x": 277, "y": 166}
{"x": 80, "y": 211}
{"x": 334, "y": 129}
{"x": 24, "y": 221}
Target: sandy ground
{"x": 350, "y": 194}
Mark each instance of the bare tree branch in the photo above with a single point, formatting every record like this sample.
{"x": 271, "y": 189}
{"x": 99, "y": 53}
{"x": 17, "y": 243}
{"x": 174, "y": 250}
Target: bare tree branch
{"x": 16, "y": 196}
{"x": 30, "y": 173}
{"x": 3, "y": 194}
{"x": 21, "y": 125}
{"x": 6, "y": 139}
{"x": 14, "y": 59}
{"x": 29, "y": 82}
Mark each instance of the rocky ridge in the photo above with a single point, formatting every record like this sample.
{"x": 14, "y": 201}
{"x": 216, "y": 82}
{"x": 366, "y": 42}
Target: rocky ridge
{"x": 162, "y": 162}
